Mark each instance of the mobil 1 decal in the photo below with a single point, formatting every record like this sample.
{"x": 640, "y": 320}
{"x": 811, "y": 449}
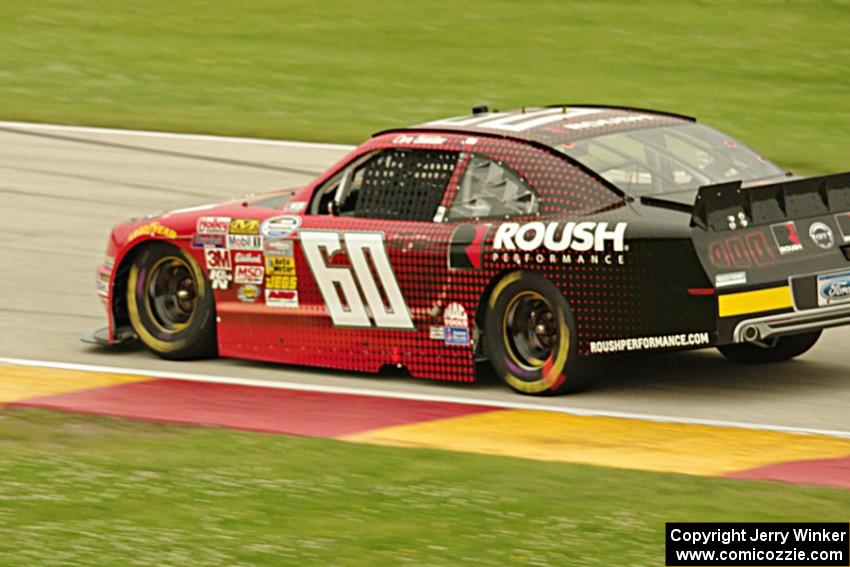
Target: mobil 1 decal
{"x": 370, "y": 272}
{"x": 466, "y": 247}
{"x": 560, "y": 243}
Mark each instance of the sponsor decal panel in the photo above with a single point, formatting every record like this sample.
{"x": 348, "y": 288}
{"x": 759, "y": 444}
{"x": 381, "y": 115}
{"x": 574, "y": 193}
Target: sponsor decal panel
{"x": 296, "y": 206}
{"x": 282, "y": 298}
{"x": 649, "y": 343}
{"x": 220, "y": 278}
{"x": 244, "y": 242}
{"x": 731, "y": 278}
{"x": 244, "y": 226}
{"x": 560, "y": 243}
{"x": 152, "y": 229}
{"x": 436, "y": 332}
{"x": 833, "y": 288}
{"x": 786, "y": 236}
{"x": 821, "y": 235}
{"x": 456, "y": 324}
{"x": 209, "y": 241}
{"x": 248, "y": 257}
{"x": 280, "y": 227}
{"x": 843, "y": 222}
{"x": 212, "y": 225}
{"x": 279, "y": 248}
{"x": 248, "y": 293}
{"x": 217, "y": 258}
{"x": 280, "y": 273}
{"x": 246, "y": 274}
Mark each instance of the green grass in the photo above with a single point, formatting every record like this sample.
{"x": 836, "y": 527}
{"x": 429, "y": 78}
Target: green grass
{"x": 775, "y": 73}
{"x": 80, "y": 490}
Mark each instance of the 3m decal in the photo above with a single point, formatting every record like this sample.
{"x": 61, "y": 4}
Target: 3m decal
{"x": 280, "y": 227}
{"x": 466, "y": 248}
{"x": 248, "y": 257}
{"x": 245, "y": 274}
{"x": 339, "y": 285}
{"x": 209, "y": 241}
{"x": 282, "y": 298}
{"x": 821, "y": 235}
{"x": 786, "y": 237}
{"x": 220, "y": 279}
{"x": 833, "y": 288}
{"x": 244, "y": 226}
{"x": 217, "y": 258}
{"x": 152, "y": 229}
{"x": 649, "y": 343}
{"x": 248, "y": 293}
{"x": 244, "y": 242}
{"x": 212, "y": 225}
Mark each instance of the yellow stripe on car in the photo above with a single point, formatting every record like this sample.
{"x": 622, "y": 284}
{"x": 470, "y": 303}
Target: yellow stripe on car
{"x": 771, "y": 299}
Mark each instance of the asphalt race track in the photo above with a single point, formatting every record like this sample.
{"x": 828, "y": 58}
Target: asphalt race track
{"x": 62, "y": 189}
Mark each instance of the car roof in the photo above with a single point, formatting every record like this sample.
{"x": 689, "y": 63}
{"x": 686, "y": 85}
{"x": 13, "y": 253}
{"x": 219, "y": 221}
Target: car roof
{"x": 555, "y": 125}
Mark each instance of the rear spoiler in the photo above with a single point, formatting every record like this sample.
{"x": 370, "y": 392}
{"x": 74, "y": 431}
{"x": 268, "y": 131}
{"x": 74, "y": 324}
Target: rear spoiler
{"x": 727, "y": 206}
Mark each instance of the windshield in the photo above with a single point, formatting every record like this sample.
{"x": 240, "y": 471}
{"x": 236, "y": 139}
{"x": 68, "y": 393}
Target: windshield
{"x": 670, "y": 158}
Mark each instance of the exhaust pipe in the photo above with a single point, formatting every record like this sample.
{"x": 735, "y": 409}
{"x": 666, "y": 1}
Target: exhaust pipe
{"x": 750, "y": 333}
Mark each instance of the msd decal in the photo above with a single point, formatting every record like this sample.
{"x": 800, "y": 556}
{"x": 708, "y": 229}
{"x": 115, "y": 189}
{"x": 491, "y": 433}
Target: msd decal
{"x": 466, "y": 249}
{"x": 245, "y": 274}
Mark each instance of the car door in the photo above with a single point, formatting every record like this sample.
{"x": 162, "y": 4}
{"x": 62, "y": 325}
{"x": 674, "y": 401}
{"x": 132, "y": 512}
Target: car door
{"x": 375, "y": 259}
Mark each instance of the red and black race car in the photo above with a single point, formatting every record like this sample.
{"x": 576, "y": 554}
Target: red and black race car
{"x": 534, "y": 239}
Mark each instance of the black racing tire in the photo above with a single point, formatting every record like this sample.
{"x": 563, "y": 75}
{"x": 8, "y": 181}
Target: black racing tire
{"x": 785, "y": 348}
{"x": 544, "y": 363}
{"x": 170, "y": 303}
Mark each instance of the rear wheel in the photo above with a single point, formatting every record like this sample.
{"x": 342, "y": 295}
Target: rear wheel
{"x": 530, "y": 336}
{"x": 170, "y": 303}
{"x": 784, "y": 348}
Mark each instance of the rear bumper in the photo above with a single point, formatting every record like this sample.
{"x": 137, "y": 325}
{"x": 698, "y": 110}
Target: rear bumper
{"x": 760, "y": 328}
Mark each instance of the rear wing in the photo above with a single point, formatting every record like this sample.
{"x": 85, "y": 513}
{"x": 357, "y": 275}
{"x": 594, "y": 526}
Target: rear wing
{"x": 728, "y": 206}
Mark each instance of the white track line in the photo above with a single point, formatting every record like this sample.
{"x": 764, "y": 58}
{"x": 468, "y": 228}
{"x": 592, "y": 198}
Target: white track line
{"x": 418, "y": 397}
{"x": 172, "y": 135}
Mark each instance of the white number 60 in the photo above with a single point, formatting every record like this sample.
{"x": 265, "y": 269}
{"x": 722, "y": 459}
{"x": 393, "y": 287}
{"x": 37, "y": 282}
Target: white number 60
{"x": 393, "y": 314}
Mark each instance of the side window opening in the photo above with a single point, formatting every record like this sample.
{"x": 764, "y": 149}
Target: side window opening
{"x": 488, "y": 190}
{"x": 395, "y": 184}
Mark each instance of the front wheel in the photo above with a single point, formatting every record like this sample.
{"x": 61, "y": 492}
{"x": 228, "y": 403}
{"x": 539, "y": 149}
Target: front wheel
{"x": 784, "y": 348}
{"x": 530, "y": 335}
{"x": 170, "y": 303}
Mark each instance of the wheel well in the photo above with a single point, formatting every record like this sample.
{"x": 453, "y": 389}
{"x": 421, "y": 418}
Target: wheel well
{"x": 483, "y": 305}
{"x": 120, "y": 316}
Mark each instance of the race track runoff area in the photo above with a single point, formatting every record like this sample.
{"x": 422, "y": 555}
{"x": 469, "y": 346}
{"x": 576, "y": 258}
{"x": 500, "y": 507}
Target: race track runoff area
{"x": 686, "y": 448}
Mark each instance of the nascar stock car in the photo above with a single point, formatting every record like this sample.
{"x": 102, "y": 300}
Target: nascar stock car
{"x": 535, "y": 239}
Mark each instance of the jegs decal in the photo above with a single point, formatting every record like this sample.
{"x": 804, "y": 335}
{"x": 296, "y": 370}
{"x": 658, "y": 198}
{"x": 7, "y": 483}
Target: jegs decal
{"x": 394, "y": 314}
